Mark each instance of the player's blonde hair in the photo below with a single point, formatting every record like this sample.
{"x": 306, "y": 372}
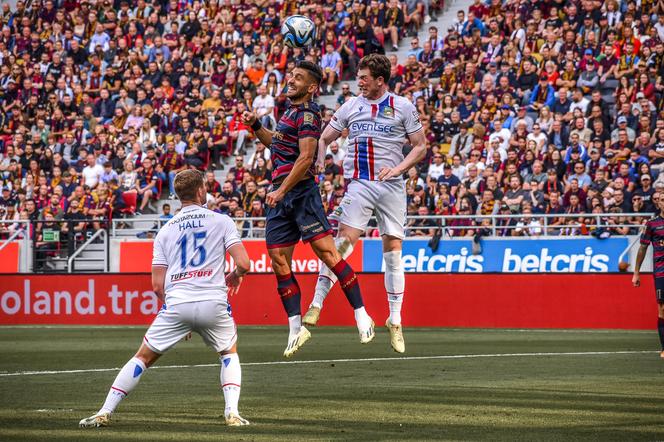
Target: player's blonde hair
{"x": 187, "y": 183}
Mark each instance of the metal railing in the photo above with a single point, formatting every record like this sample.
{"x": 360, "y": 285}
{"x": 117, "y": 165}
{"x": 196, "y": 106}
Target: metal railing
{"x": 71, "y": 261}
{"x": 576, "y": 224}
{"x": 55, "y": 245}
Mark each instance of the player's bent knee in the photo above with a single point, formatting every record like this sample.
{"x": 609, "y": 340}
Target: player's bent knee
{"x": 392, "y": 244}
{"x": 279, "y": 261}
{"x": 146, "y": 355}
{"x": 392, "y": 260}
{"x": 231, "y": 350}
{"x": 344, "y": 246}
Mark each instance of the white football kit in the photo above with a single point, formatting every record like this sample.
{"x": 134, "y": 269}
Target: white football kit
{"x": 193, "y": 245}
{"x": 378, "y": 132}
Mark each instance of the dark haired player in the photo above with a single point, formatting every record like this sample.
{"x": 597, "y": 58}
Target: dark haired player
{"x": 295, "y": 209}
{"x": 654, "y": 234}
{"x": 380, "y": 123}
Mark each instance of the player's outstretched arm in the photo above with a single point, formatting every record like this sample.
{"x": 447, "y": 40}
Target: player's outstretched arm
{"x": 419, "y": 143}
{"x": 640, "y": 256}
{"x": 158, "y": 281}
{"x": 263, "y": 134}
{"x": 300, "y": 167}
{"x": 242, "y": 266}
{"x": 329, "y": 135}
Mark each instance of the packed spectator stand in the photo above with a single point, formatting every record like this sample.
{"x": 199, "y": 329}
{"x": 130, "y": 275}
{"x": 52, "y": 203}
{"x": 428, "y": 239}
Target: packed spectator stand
{"x": 530, "y": 108}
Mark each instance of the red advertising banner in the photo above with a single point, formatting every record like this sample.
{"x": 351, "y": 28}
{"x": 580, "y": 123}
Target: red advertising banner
{"x": 137, "y": 257}
{"x": 431, "y": 300}
{"x": 9, "y": 257}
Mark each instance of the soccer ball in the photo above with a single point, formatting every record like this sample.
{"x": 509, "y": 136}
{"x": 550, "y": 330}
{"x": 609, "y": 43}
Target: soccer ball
{"x": 298, "y": 31}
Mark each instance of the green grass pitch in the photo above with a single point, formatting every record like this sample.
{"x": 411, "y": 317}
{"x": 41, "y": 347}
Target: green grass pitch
{"x": 617, "y": 394}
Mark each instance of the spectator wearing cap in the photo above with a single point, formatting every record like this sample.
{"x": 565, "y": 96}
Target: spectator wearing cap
{"x": 448, "y": 179}
{"x": 579, "y": 174}
{"x": 588, "y": 80}
{"x": 645, "y": 190}
{"x": 522, "y": 116}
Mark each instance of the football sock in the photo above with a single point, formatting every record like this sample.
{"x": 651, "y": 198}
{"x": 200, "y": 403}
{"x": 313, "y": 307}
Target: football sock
{"x": 231, "y": 380}
{"x": 327, "y": 279}
{"x": 660, "y": 330}
{"x": 289, "y": 292}
{"x": 349, "y": 284}
{"x": 394, "y": 284}
{"x": 124, "y": 383}
{"x": 294, "y": 324}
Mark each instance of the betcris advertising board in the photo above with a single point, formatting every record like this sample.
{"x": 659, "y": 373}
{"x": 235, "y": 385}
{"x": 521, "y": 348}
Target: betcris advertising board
{"x": 587, "y": 255}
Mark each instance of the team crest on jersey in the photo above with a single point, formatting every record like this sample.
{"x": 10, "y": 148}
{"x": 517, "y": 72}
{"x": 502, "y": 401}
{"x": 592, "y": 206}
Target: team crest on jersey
{"x": 388, "y": 111}
{"x": 308, "y": 118}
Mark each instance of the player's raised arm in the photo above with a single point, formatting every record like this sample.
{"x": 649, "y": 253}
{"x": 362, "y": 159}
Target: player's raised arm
{"x": 302, "y": 163}
{"x": 329, "y": 135}
{"x": 263, "y": 134}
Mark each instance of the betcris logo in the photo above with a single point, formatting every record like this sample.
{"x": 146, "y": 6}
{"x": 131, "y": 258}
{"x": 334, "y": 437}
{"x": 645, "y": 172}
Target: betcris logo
{"x": 583, "y": 255}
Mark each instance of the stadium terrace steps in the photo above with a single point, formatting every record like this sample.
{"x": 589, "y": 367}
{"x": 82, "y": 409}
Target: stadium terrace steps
{"x": 92, "y": 259}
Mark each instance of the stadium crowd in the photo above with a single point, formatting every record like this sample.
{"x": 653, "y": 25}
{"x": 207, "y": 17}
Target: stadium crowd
{"x": 530, "y": 107}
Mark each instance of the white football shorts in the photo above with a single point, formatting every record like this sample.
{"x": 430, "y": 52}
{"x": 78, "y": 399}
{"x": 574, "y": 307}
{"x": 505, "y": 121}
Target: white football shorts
{"x": 387, "y": 199}
{"x": 212, "y": 320}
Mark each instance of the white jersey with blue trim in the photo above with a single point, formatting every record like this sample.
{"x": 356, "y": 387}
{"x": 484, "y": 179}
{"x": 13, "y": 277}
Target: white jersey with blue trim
{"x": 193, "y": 246}
{"x": 378, "y": 131}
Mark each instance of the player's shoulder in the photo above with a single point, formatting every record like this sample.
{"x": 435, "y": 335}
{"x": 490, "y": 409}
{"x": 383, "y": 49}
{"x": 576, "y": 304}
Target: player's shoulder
{"x": 655, "y": 220}
{"x": 352, "y": 101}
{"x": 401, "y": 102}
{"x": 309, "y": 106}
{"x": 216, "y": 216}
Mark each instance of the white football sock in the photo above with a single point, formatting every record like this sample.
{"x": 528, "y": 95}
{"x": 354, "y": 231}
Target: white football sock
{"x": 395, "y": 281}
{"x": 124, "y": 383}
{"x": 362, "y": 318}
{"x": 231, "y": 380}
{"x": 294, "y": 324}
{"x": 327, "y": 279}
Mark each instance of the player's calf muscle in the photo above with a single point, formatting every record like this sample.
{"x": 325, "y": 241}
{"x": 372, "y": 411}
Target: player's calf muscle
{"x": 326, "y": 251}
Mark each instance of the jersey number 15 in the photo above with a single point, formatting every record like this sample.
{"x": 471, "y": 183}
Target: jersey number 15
{"x": 198, "y": 257}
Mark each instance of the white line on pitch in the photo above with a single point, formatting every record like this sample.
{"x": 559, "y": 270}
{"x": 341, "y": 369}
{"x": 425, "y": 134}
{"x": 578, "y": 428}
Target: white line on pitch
{"x": 441, "y": 329}
{"x": 327, "y": 361}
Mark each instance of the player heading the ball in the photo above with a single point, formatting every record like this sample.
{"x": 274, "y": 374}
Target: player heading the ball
{"x": 295, "y": 209}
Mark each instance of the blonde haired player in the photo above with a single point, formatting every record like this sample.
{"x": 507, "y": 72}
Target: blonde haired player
{"x": 188, "y": 275}
{"x": 380, "y": 123}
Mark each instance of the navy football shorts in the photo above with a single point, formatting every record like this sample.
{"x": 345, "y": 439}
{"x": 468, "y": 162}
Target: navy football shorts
{"x": 659, "y": 289}
{"x": 299, "y": 215}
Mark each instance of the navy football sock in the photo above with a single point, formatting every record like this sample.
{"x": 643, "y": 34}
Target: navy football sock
{"x": 660, "y": 330}
{"x": 348, "y": 282}
{"x": 289, "y": 292}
